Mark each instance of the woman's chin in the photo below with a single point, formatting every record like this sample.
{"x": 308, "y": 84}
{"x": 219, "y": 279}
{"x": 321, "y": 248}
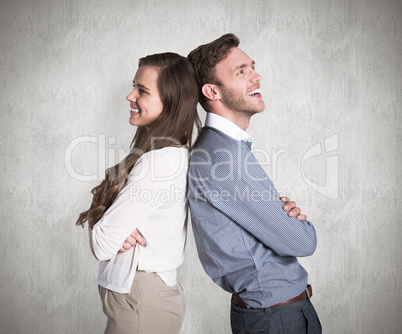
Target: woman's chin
{"x": 134, "y": 121}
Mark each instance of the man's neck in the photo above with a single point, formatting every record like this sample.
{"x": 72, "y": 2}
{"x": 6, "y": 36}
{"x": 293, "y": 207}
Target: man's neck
{"x": 241, "y": 120}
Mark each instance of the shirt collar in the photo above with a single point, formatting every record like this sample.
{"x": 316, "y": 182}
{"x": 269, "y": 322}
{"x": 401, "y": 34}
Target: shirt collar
{"x": 227, "y": 127}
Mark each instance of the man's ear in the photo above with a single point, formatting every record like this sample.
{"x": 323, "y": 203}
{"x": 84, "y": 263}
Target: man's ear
{"x": 211, "y": 92}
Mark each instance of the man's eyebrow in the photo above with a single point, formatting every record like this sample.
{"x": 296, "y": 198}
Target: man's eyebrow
{"x": 243, "y": 66}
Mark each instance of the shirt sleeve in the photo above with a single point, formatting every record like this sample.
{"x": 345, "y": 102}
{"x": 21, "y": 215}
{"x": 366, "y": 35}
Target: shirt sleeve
{"x": 134, "y": 205}
{"x": 242, "y": 191}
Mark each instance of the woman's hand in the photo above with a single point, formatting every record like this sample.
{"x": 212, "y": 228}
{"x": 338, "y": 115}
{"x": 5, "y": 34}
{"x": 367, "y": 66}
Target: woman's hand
{"x": 132, "y": 240}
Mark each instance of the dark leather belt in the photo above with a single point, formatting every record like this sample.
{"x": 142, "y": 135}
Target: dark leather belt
{"x": 236, "y": 300}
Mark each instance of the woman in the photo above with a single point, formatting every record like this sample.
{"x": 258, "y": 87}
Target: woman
{"x": 147, "y": 192}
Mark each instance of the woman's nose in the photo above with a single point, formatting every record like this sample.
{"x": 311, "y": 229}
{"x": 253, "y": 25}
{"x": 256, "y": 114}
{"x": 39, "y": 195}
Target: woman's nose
{"x": 131, "y": 97}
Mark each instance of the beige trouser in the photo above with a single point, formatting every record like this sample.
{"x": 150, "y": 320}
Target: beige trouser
{"x": 151, "y": 307}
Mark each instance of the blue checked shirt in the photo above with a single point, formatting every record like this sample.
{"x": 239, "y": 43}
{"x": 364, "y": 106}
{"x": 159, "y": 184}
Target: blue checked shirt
{"x": 246, "y": 242}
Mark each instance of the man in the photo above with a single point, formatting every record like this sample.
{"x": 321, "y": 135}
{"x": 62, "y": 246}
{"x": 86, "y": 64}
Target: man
{"x": 246, "y": 242}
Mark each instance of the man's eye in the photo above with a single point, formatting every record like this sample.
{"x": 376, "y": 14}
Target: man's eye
{"x": 240, "y": 72}
{"x": 142, "y": 92}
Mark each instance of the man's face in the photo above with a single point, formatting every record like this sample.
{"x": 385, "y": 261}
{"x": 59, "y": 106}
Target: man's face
{"x": 239, "y": 83}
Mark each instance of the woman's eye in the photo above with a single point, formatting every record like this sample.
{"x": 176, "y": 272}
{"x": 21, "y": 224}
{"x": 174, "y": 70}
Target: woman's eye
{"x": 142, "y": 92}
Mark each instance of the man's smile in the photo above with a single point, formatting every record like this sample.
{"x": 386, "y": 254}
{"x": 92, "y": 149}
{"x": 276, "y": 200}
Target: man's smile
{"x": 255, "y": 92}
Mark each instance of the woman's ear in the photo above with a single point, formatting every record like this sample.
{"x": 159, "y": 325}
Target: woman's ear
{"x": 211, "y": 92}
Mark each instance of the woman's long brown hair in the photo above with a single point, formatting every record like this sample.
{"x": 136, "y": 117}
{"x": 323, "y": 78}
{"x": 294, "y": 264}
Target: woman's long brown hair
{"x": 179, "y": 95}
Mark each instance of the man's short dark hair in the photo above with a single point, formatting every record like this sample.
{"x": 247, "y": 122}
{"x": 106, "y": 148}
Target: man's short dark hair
{"x": 205, "y": 57}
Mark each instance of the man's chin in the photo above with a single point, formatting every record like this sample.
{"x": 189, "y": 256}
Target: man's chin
{"x": 261, "y": 106}
{"x": 250, "y": 113}
{"x": 259, "y": 109}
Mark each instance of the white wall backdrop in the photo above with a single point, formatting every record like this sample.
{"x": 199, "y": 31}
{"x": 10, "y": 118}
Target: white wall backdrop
{"x": 331, "y": 129}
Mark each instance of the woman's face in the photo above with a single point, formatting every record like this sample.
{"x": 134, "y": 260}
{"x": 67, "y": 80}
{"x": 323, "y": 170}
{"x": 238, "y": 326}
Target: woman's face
{"x": 145, "y": 102}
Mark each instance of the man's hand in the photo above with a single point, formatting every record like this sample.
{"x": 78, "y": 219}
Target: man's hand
{"x": 293, "y": 209}
{"x": 132, "y": 240}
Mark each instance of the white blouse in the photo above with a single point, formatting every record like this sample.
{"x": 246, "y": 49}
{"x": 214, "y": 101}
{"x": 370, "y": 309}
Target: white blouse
{"x": 154, "y": 202}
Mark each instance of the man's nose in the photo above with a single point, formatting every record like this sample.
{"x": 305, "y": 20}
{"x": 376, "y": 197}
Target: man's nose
{"x": 255, "y": 76}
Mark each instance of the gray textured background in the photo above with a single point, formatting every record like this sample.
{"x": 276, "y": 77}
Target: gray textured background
{"x": 331, "y": 80}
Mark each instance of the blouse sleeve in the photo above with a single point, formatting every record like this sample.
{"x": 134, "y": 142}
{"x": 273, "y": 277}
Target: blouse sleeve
{"x": 134, "y": 205}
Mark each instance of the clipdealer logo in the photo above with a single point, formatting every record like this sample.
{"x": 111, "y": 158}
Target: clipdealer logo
{"x": 110, "y": 156}
{"x": 100, "y": 140}
{"x": 331, "y": 187}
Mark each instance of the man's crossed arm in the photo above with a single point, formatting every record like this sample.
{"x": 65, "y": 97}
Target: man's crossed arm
{"x": 136, "y": 236}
